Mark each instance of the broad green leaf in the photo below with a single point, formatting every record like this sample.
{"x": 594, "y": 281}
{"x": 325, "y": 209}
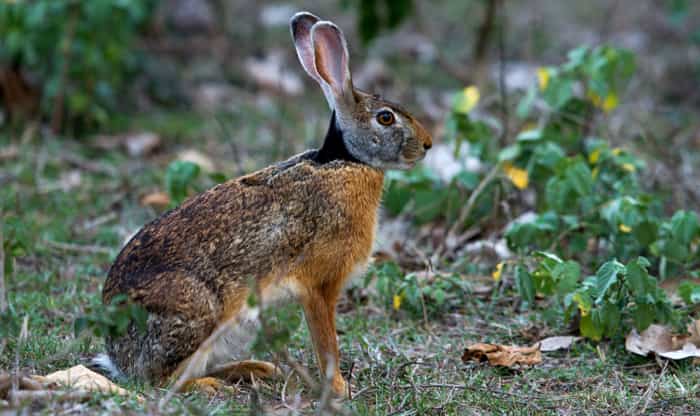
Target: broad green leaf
{"x": 525, "y": 284}
{"x": 684, "y": 226}
{"x": 638, "y": 279}
{"x": 178, "y": 177}
{"x": 689, "y": 292}
{"x": 610, "y": 317}
{"x": 591, "y": 325}
{"x": 606, "y": 276}
{"x": 580, "y": 178}
{"x": 643, "y": 315}
{"x": 566, "y": 276}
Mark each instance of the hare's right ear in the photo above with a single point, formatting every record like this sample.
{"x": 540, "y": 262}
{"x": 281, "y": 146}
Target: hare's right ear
{"x": 332, "y": 63}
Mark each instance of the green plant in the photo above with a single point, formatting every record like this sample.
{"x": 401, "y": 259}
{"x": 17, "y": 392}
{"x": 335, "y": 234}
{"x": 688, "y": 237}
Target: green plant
{"x": 606, "y": 301}
{"x": 81, "y": 51}
{"x": 420, "y": 296}
{"x": 113, "y": 319}
{"x": 590, "y": 207}
{"x": 179, "y": 179}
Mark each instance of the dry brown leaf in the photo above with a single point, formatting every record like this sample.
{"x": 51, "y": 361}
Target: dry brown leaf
{"x": 141, "y": 144}
{"x": 157, "y": 200}
{"x": 503, "y": 355}
{"x": 81, "y": 378}
{"x": 9, "y": 152}
{"x": 557, "y": 343}
{"x": 136, "y": 144}
{"x": 660, "y": 340}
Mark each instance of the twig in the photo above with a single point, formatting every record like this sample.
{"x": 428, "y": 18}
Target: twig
{"x": 649, "y": 393}
{"x": 15, "y": 374}
{"x": 57, "y": 115}
{"x": 467, "y": 210}
{"x": 89, "y": 166}
{"x": 3, "y": 293}
{"x": 325, "y": 400}
{"x": 196, "y": 358}
{"x": 505, "y": 116}
{"x": 101, "y": 220}
{"x": 78, "y": 248}
{"x": 18, "y": 396}
{"x": 483, "y": 40}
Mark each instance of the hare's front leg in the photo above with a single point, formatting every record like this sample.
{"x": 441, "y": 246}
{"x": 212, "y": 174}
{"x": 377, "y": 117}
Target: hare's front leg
{"x": 319, "y": 310}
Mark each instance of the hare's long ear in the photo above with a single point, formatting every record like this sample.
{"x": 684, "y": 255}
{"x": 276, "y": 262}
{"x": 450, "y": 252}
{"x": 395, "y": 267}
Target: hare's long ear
{"x": 300, "y": 25}
{"x": 332, "y": 63}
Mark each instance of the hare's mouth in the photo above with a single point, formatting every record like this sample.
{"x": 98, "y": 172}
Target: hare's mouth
{"x": 412, "y": 154}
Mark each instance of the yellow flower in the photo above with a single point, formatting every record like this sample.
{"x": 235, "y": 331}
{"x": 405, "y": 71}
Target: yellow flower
{"x": 628, "y": 167}
{"x": 594, "y": 156}
{"x": 610, "y": 102}
{"x": 607, "y": 104}
{"x": 616, "y": 151}
{"x": 397, "y": 301}
{"x": 529, "y": 126}
{"x": 518, "y": 176}
{"x": 467, "y": 100}
{"x": 582, "y": 307}
{"x": 497, "y": 272}
{"x": 624, "y": 228}
{"x": 543, "y": 78}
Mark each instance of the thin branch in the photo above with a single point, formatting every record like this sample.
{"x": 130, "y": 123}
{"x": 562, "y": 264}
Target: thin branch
{"x": 196, "y": 359}
{"x": 3, "y": 293}
{"x": 57, "y": 115}
{"x": 78, "y": 248}
{"x": 467, "y": 209}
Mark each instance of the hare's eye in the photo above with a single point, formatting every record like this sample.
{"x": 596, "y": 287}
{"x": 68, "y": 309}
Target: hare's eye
{"x": 385, "y": 118}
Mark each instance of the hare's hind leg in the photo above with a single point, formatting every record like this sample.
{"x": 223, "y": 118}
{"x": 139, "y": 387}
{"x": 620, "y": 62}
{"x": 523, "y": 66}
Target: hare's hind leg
{"x": 177, "y": 324}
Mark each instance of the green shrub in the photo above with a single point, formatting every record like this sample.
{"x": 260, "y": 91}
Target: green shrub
{"x": 591, "y": 210}
{"x": 81, "y": 51}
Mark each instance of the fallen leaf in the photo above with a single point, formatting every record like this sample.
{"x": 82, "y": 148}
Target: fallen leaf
{"x": 557, "y": 343}
{"x": 9, "y": 152}
{"x": 503, "y": 355}
{"x": 660, "y": 340}
{"x": 141, "y": 144}
{"x": 157, "y": 200}
{"x": 82, "y": 378}
{"x": 271, "y": 72}
{"x": 136, "y": 144}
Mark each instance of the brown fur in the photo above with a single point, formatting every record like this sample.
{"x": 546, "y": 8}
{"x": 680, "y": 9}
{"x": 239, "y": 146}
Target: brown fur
{"x": 298, "y": 228}
{"x": 191, "y": 267}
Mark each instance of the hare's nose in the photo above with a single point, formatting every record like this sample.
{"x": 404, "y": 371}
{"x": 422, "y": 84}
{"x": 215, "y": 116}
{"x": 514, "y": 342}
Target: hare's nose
{"x": 427, "y": 145}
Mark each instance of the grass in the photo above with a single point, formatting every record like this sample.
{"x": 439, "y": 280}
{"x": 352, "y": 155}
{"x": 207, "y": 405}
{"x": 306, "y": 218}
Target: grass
{"x": 397, "y": 365}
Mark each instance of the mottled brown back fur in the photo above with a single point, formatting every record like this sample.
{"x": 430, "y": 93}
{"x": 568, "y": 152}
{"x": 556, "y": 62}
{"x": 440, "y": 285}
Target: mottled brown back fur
{"x": 197, "y": 261}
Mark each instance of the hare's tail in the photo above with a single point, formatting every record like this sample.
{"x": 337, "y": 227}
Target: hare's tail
{"x": 103, "y": 364}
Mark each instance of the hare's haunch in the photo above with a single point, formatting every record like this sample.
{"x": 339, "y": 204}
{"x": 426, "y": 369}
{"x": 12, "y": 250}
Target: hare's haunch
{"x": 298, "y": 229}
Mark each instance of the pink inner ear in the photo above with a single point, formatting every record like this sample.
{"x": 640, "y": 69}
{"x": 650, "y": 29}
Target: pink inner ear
{"x": 331, "y": 59}
{"x": 302, "y": 41}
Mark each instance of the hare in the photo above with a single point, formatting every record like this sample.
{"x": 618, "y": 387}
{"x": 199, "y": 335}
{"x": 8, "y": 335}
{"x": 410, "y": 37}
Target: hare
{"x": 299, "y": 229}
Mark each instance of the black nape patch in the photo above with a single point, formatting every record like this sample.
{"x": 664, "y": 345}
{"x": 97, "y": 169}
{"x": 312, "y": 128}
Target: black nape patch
{"x": 333, "y": 146}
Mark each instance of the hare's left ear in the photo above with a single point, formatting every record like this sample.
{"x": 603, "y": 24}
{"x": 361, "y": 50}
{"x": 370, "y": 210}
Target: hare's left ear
{"x": 300, "y": 25}
{"x": 332, "y": 62}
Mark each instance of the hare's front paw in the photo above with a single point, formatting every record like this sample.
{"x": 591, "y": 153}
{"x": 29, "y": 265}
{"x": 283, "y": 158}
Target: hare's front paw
{"x": 209, "y": 386}
{"x": 341, "y": 387}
